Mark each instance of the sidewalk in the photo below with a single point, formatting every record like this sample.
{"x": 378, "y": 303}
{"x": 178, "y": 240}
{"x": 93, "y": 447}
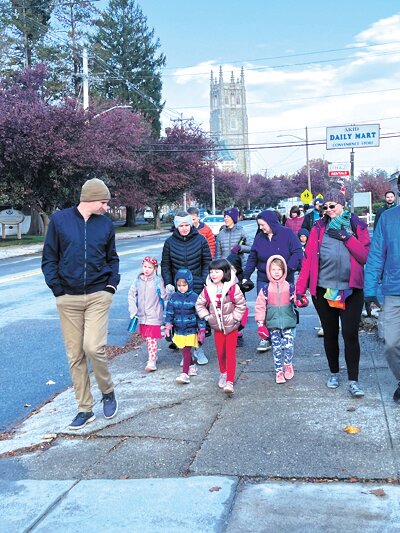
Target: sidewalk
{"x": 29, "y": 249}
{"x": 187, "y": 458}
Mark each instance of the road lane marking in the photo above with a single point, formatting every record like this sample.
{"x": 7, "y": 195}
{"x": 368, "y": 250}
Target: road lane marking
{"x": 20, "y": 276}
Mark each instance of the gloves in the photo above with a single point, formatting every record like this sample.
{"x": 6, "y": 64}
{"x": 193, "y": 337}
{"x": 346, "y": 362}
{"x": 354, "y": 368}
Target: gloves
{"x": 301, "y": 300}
{"x": 339, "y": 234}
{"x": 369, "y": 300}
{"x": 263, "y": 332}
{"x": 201, "y": 335}
{"x": 236, "y": 249}
{"x": 247, "y": 285}
{"x": 168, "y": 332}
{"x": 170, "y": 288}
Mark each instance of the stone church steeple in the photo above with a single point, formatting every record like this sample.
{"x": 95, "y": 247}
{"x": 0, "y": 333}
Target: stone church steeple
{"x": 228, "y": 119}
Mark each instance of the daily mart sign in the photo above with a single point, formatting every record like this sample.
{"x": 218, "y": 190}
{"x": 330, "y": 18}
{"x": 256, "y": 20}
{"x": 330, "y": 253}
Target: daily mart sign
{"x": 339, "y": 170}
{"x": 363, "y": 136}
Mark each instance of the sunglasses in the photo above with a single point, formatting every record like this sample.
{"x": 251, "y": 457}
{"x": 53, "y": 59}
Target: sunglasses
{"x": 330, "y": 206}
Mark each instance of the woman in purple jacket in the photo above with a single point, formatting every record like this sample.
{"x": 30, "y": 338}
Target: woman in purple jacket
{"x": 273, "y": 239}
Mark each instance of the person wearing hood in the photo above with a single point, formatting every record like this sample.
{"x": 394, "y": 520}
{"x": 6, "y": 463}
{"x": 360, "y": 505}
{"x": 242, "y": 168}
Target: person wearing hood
{"x": 310, "y": 218}
{"x": 390, "y": 201}
{"x": 232, "y": 239}
{"x": 333, "y": 271}
{"x": 273, "y": 239}
{"x": 223, "y": 305}
{"x": 188, "y": 328}
{"x": 275, "y": 317}
{"x": 186, "y": 248}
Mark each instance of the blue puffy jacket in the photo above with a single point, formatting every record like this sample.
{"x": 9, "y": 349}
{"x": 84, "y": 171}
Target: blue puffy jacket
{"x": 79, "y": 257}
{"x": 383, "y": 263}
{"x": 181, "y": 310}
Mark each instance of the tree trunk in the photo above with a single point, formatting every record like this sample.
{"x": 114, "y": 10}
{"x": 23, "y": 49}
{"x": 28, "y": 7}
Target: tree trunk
{"x": 156, "y": 213}
{"x": 45, "y": 221}
{"x": 130, "y": 216}
{"x": 37, "y": 226}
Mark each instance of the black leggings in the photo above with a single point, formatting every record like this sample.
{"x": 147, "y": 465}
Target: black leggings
{"x": 350, "y": 320}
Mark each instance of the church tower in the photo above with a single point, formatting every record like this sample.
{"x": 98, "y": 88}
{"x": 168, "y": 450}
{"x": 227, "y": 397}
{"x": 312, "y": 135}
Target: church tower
{"x": 228, "y": 121}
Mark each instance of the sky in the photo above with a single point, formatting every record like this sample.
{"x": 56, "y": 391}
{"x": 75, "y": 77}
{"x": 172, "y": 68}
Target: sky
{"x": 306, "y": 64}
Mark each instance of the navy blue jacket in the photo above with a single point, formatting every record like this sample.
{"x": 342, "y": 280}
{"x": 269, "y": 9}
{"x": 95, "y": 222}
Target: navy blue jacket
{"x": 191, "y": 252}
{"x": 79, "y": 257}
{"x": 181, "y": 310}
{"x": 284, "y": 242}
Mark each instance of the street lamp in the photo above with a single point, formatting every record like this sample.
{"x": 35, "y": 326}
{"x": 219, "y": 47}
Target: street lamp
{"x": 307, "y": 158}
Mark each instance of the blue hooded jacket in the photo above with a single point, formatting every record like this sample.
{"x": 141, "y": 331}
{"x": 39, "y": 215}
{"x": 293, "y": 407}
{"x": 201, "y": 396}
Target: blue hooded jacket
{"x": 181, "y": 310}
{"x": 283, "y": 242}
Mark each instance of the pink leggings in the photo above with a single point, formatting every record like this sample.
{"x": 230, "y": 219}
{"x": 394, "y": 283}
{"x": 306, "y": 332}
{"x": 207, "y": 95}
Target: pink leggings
{"x": 226, "y": 351}
{"x": 187, "y": 359}
{"x": 151, "y": 348}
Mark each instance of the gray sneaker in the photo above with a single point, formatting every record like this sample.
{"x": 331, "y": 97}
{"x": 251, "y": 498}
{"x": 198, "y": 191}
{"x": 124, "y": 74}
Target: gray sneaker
{"x": 200, "y": 356}
{"x": 333, "y": 381}
{"x": 264, "y": 345}
{"x": 355, "y": 390}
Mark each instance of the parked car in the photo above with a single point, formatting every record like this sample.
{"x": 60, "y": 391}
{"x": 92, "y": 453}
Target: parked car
{"x": 148, "y": 214}
{"x": 215, "y": 222}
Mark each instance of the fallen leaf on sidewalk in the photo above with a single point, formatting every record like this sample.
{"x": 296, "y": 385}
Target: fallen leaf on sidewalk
{"x": 51, "y": 382}
{"x": 351, "y": 409}
{"x": 352, "y": 430}
{"x": 242, "y": 362}
{"x": 50, "y": 436}
{"x": 243, "y": 377}
{"x": 214, "y": 489}
{"x": 377, "y": 492}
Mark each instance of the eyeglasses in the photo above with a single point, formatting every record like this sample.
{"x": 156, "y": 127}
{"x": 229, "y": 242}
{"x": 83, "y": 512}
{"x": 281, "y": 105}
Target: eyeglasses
{"x": 330, "y": 206}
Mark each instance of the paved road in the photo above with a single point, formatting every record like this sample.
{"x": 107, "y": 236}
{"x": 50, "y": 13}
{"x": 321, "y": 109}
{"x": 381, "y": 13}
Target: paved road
{"x": 30, "y": 337}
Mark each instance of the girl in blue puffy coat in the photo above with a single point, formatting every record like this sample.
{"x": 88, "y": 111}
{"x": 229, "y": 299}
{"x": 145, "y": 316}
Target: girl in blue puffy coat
{"x": 181, "y": 315}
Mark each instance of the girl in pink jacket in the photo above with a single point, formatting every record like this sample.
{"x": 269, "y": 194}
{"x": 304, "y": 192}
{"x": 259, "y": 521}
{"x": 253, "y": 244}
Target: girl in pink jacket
{"x": 146, "y": 301}
{"x": 275, "y": 317}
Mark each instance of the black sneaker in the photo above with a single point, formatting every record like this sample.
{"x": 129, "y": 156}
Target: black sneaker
{"x": 81, "y": 420}
{"x": 173, "y": 346}
{"x": 396, "y": 395}
{"x": 110, "y": 405}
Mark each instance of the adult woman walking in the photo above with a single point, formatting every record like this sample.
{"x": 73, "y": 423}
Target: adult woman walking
{"x": 333, "y": 271}
{"x": 295, "y": 220}
{"x": 273, "y": 239}
{"x": 186, "y": 248}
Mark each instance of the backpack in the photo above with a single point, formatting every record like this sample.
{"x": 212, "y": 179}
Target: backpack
{"x": 231, "y": 294}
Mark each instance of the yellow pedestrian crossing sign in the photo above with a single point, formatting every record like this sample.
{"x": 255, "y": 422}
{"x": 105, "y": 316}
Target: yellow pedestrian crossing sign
{"x": 306, "y": 197}
{"x": 319, "y": 195}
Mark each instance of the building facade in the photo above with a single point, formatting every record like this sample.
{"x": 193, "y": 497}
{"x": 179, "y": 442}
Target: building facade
{"x": 229, "y": 123}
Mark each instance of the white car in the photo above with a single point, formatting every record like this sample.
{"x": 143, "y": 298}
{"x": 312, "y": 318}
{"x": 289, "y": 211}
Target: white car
{"x": 148, "y": 214}
{"x": 215, "y": 222}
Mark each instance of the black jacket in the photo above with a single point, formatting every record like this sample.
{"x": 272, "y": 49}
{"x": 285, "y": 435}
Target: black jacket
{"x": 308, "y": 221}
{"x": 191, "y": 252}
{"x": 79, "y": 257}
{"x": 380, "y": 211}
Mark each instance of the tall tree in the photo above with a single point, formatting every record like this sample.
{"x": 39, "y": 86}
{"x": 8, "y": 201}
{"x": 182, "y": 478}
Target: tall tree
{"x": 127, "y": 60}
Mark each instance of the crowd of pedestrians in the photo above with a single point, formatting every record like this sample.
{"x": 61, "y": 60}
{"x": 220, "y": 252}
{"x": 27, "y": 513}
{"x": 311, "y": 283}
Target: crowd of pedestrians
{"x": 203, "y": 283}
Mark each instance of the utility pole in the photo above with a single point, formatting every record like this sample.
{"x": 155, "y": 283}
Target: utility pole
{"x": 308, "y": 163}
{"x": 352, "y": 180}
{"x": 212, "y": 190}
{"x": 182, "y": 120}
{"x": 85, "y": 78}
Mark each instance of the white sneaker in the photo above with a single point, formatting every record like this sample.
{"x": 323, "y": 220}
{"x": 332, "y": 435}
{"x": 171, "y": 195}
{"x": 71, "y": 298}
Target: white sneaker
{"x": 192, "y": 370}
{"x": 320, "y": 332}
{"x": 222, "y": 381}
{"x": 150, "y": 366}
{"x": 264, "y": 345}
{"x": 183, "y": 378}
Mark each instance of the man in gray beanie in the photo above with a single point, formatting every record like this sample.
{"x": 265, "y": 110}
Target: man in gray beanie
{"x": 80, "y": 265}
{"x": 186, "y": 248}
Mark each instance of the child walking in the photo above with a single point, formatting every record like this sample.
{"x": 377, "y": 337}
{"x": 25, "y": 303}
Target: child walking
{"x": 181, "y": 315}
{"x": 146, "y": 300}
{"x": 223, "y": 305}
{"x": 274, "y": 311}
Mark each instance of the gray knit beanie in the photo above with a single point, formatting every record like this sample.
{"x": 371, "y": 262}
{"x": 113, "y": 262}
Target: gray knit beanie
{"x": 334, "y": 195}
{"x": 94, "y": 190}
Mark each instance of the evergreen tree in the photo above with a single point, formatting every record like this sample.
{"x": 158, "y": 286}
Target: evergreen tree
{"x": 127, "y": 60}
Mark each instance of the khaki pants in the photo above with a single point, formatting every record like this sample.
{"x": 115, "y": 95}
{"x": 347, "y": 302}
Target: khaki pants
{"x": 84, "y": 323}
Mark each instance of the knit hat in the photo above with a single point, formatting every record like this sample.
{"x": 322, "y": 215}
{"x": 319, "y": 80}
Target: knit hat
{"x": 182, "y": 218}
{"x": 94, "y": 190}
{"x": 320, "y": 200}
{"x": 334, "y": 195}
{"x": 233, "y": 213}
